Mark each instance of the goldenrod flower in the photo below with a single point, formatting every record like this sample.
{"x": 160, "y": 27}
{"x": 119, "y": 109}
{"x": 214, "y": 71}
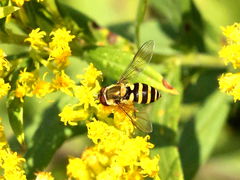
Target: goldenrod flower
{"x": 10, "y": 163}
{"x": 41, "y": 88}
{"x": 86, "y": 96}
{"x": 63, "y": 83}
{"x": 60, "y": 55}
{"x": 72, "y": 115}
{"x": 90, "y": 76}
{"x": 26, "y": 78}
{"x": 120, "y": 119}
{"x": 59, "y": 48}
{"x": 36, "y": 39}
{"x": 60, "y": 37}
{"x": 231, "y": 51}
{"x": 44, "y": 176}
{"x": 2, "y": 135}
{"x": 230, "y": 83}
{"x": 21, "y": 91}
{"x": 4, "y": 88}
{"x": 77, "y": 169}
{"x": 4, "y": 63}
{"x": 232, "y": 33}
{"x": 115, "y": 155}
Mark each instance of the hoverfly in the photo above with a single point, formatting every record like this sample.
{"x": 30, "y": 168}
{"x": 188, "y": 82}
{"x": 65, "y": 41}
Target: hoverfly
{"x": 124, "y": 92}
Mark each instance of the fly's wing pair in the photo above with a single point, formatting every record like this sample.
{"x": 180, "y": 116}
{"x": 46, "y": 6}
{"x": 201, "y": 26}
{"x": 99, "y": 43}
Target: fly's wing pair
{"x": 141, "y": 58}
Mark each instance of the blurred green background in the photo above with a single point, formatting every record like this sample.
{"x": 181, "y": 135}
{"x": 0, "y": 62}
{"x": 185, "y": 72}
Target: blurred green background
{"x": 196, "y": 132}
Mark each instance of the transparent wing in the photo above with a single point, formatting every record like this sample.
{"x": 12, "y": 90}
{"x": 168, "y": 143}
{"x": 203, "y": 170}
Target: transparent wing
{"x": 141, "y": 58}
{"x": 139, "y": 121}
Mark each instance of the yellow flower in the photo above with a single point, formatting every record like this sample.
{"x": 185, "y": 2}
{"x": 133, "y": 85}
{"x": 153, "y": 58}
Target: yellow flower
{"x": 61, "y": 37}
{"x": 4, "y": 63}
{"x": 71, "y": 116}
{"x": 27, "y": 78}
{"x": 21, "y": 91}
{"x": 230, "y": 84}
{"x": 232, "y": 33}
{"x": 59, "y": 48}
{"x": 77, "y": 169}
{"x": 63, "y": 83}
{"x": 115, "y": 155}
{"x": 86, "y": 96}
{"x": 2, "y": 135}
{"x": 60, "y": 55}
{"x": 90, "y": 76}
{"x": 4, "y": 88}
{"x": 149, "y": 166}
{"x": 231, "y": 54}
{"x": 11, "y": 164}
{"x": 36, "y": 39}
{"x": 44, "y": 176}
{"x": 120, "y": 119}
{"x": 41, "y": 88}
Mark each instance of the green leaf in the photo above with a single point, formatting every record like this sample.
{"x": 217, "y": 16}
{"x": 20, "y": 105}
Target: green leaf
{"x": 7, "y": 10}
{"x": 200, "y": 134}
{"x": 165, "y": 115}
{"x": 45, "y": 132}
{"x": 142, "y": 6}
{"x": 113, "y": 61}
{"x": 15, "y": 114}
{"x": 164, "y": 43}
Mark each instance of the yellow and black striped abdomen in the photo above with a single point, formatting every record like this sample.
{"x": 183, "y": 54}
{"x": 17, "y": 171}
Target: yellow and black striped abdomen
{"x": 141, "y": 93}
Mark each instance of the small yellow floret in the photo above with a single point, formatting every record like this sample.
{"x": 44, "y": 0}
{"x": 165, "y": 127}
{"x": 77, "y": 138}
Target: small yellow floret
{"x": 229, "y": 83}
{"x": 90, "y": 76}
{"x": 4, "y": 87}
{"x": 71, "y": 116}
{"x": 4, "y": 63}
{"x": 63, "y": 82}
{"x": 36, "y": 39}
{"x": 44, "y": 176}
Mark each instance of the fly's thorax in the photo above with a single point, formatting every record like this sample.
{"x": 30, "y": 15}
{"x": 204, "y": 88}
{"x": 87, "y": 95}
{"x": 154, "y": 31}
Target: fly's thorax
{"x": 112, "y": 94}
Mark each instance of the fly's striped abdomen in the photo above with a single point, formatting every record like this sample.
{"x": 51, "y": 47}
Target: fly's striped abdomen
{"x": 141, "y": 93}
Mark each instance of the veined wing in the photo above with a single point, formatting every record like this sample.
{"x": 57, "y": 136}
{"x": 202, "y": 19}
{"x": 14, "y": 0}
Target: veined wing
{"x": 139, "y": 121}
{"x": 141, "y": 58}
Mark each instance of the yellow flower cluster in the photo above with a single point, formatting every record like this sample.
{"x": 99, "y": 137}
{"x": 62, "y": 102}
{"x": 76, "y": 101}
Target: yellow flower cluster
{"x": 36, "y": 39}
{"x": 10, "y": 163}
{"x": 4, "y": 68}
{"x": 59, "y": 48}
{"x": 31, "y": 83}
{"x": 230, "y": 53}
{"x": 86, "y": 93}
{"x": 114, "y": 156}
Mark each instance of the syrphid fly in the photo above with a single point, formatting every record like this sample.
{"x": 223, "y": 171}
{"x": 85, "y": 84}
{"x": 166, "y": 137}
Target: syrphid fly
{"x": 124, "y": 92}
